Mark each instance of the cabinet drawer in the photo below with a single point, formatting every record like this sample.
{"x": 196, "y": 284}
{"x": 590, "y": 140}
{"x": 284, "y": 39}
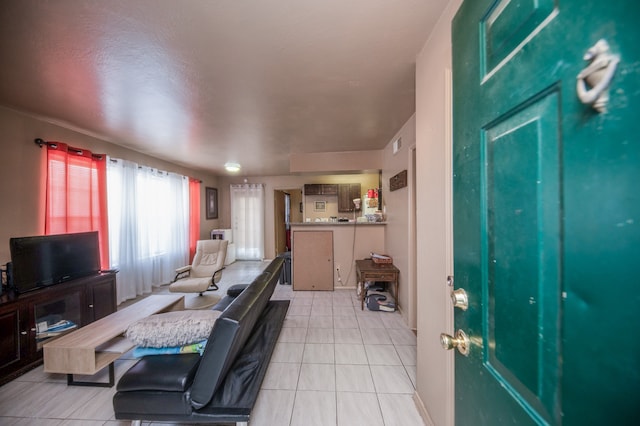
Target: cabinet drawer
{"x": 379, "y": 276}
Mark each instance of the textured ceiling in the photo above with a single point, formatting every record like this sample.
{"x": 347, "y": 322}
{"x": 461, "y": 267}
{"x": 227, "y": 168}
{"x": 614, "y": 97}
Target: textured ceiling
{"x": 200, "y": 83}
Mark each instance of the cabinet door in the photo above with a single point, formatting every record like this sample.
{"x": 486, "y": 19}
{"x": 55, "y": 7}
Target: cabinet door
{"x": 101, "y": 298}
{"x": 347, "y": 192}
{"x": 12, "y": 341}
{"x": 330, "y": 189}
{"x": 58, "y": 304}
{"x": 312, "y": 189}
{"x": 312, "y": 260}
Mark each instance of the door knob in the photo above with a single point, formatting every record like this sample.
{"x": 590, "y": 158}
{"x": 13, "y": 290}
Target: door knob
{"x": 460, "y": 342}
{"x": 460, "y": 299}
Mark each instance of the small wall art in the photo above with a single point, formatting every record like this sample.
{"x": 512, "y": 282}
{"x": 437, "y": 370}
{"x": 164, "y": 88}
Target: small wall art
{"x": 212, "y": 203}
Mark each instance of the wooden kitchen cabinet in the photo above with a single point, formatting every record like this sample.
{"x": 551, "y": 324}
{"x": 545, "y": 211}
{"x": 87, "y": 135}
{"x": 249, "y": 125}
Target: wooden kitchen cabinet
{"x": 347, "y": 192}
{"x": 312, "y": 260}
{"x": 321, "y": 189}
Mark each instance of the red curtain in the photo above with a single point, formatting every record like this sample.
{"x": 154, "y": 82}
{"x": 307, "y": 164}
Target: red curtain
{"x": 77, "y": 194}
{"x": 194, "y": 216}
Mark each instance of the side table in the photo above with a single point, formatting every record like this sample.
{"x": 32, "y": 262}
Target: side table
{"x": 368, "y": 270}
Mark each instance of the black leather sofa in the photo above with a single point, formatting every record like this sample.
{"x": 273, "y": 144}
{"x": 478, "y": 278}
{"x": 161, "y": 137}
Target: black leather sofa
{"x": 222, "y": 385}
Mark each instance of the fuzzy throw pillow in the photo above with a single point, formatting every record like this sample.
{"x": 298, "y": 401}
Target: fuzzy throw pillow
{"x": 176, "y": 328}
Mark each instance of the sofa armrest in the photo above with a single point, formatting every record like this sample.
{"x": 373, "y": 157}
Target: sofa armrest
{"x": 236, "y": 289}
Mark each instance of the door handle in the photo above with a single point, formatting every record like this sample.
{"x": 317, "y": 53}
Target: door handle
{"x": 460, "y": 299}
{"x": 460, "y": 342}
{"x": 598, "y": 75}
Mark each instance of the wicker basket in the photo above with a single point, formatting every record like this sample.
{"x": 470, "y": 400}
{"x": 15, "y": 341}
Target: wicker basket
{"x": 381, "y": 261}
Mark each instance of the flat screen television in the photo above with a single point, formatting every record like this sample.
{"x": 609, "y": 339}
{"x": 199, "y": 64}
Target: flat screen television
{"x": 45, "y": 260}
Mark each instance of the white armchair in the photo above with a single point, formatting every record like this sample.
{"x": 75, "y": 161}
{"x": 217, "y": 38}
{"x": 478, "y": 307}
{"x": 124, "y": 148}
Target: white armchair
{"x": 205, "y": 271}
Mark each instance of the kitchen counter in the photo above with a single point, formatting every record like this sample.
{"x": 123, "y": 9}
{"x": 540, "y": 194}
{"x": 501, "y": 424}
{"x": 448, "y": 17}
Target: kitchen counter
{"x": 337, "y": 223}
{"x": 351, "y": 241}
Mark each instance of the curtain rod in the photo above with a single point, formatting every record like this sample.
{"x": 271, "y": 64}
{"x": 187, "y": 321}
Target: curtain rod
{"x": 40, "y": 142}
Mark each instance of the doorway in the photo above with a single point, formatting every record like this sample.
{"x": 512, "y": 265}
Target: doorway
{"x": 287, "y": 209}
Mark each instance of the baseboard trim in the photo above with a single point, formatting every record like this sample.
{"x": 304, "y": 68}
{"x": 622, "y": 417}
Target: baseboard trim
{"x": 422, "y": 410}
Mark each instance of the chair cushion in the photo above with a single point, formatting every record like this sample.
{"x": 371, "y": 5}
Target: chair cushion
{"x": 190, "y": 285}
{"x": 176, "y": 328}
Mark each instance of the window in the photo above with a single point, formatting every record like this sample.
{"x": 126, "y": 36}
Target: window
{"x": 148, "y": 225}
{"x": 76, "y": 194}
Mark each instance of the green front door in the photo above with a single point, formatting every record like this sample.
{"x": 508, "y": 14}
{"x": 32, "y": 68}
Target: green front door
{"x": 546, "y": 215}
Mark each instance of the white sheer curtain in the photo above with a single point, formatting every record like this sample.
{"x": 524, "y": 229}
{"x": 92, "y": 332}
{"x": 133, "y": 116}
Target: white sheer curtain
{"x": 148, "y": 226}
{"x": 247, "y": 220}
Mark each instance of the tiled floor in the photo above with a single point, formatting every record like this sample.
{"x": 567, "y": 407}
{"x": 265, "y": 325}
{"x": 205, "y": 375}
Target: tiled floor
{"x": 333, "y": 365}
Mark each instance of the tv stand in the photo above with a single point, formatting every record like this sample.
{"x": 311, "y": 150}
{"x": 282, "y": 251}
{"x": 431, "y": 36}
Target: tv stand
{"x": 27, "y": 320}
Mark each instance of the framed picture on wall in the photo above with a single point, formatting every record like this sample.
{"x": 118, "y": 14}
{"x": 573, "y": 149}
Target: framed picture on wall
{"x": 212, "y": 203}
{"x": 320, "y": 206}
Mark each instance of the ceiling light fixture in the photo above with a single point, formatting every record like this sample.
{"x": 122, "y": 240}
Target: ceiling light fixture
{"x": 232, "y": 167}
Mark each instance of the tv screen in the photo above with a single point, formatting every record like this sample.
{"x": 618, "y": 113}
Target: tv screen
{"x": 41, "y": 261}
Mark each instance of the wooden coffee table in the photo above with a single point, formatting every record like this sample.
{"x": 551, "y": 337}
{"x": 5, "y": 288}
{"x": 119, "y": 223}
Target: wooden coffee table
{"x": 97, "y": 345}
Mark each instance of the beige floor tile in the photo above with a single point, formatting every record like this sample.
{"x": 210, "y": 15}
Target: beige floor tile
{"x": 407, "y": 354}
{"x": 354, "y": 378}
{"x": 302, "y": 301}
{"x": 47, "y": 400}
{"x": 293, "y": 335}
{"x": 375, "y": 336}
{"x": 402, "y": 336}
{"x": 382, "y": 355}
{"x": 38, "y": 375}
{"x": 281, "y": 376}
{"x": 25, "y": 421}
{"x": 343, "y": 311}
{"x": 299, "y": 310}
{"x": 345, "y": 321}
{"x": 303, "y": 294}
{"x": 358, "y": 409}
{"x": 342, "y": 300}
{"x": 351, "y": 354}
{"x": 320, "y": 377}
{"x": 347, "y": 335}
{"x": 399, "y": 410}
{"x": 369, "y": 321}
{"x": 411, "y": 371}
{"x": 322, "y": 301}
{"x": 320, "y": 335}
{"x": 100, "y": 407}
{"x": 319, "y": 353}
{"x": 393, "y": 320}
{"x": 314, "y": 408}
{"x": 391, "y": 379}
{"x": 298, "y": 321}
{"x": 322, "y": 295}
{"x": 320, "y": 310}
{"x": 288, "y": 352}
{"x": 323, "y": 321}
{"x": 273, "y": 408}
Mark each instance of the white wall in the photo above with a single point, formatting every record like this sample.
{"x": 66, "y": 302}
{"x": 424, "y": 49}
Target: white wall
{"x": 433, "y": 148}
{"x": 399, "y": 237}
